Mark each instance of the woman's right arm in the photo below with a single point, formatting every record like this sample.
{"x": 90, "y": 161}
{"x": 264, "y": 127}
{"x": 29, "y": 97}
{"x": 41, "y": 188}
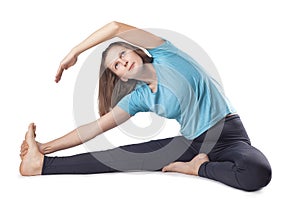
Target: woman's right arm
{"x": 86, "y": 132}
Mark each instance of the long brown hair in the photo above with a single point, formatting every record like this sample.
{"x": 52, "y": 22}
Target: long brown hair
{"x": 111, "y": 88}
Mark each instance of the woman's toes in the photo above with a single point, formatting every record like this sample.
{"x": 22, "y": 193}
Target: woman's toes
{"x": 168, "y": 167}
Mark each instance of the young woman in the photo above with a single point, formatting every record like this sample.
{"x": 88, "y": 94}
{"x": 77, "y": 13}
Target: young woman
{"x": 214, "y": 143}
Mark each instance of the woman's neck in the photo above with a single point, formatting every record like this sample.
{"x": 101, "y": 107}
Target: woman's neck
{"x": 148, "y": 75}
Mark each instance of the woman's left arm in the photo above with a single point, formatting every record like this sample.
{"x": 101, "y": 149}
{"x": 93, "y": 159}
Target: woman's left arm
{"x": 138, "y": 36}
{"x": 113, "y": 29}
{"x": 127, "y": 32}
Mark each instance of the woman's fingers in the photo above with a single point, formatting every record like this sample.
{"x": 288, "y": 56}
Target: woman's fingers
{"x": 59, "y": 73}
{"x": 66, "y": 63}
{"x": 24, "y": 149}
{"x": 23, "y": 153}
{"x": 24, "y": 145}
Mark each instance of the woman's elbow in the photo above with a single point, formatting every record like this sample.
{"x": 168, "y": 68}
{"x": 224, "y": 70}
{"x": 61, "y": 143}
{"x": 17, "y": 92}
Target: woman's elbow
{"x": 115, "y": 25}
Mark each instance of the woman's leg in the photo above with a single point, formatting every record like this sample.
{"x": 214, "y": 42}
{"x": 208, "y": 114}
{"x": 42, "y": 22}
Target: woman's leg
{"x": 234, "y": 161}
{"x": 241, "y": 166}
{"x": 152, "y": 155}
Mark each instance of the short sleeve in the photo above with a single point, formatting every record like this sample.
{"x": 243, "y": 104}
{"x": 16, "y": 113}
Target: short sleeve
{"x": 133, "y": 103}
{"x": 165, "y": 49}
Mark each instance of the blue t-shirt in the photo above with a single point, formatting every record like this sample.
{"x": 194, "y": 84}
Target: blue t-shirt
{"x": 185, "y": 92}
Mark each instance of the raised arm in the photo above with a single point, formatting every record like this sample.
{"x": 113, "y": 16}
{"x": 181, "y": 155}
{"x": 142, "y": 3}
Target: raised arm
{"x": 113, "y": 29}
{"x": 116, "y": 29}
{"x": 86, "y": 132}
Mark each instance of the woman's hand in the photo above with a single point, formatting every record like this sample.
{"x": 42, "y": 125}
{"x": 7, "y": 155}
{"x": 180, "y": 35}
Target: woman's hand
{"x": 24, "y": 148}
{"x": 41, "y": 149}
{"x": 67, "y": 62}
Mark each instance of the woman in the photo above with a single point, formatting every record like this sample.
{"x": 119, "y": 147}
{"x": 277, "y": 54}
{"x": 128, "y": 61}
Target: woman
{"x": 214, "y": 143}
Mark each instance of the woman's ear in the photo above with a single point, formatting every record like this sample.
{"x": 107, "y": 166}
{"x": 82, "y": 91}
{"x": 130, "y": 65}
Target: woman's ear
{"x": 124, "y": 79}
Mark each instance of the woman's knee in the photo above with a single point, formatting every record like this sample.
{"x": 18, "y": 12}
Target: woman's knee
{"x": 255, "y": 174}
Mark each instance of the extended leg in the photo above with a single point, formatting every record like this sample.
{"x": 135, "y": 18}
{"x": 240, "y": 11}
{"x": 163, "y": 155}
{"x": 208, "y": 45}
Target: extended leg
{"x": 151, "y": 156}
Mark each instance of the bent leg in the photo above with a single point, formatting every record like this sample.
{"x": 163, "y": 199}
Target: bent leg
{"x": 241, "y": 166}
{"x": 151, "y": 156}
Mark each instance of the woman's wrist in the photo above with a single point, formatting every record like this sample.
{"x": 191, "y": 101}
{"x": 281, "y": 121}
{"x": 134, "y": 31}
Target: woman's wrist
{"x": 44, "y": 148}
{"x": 76, "y": 51}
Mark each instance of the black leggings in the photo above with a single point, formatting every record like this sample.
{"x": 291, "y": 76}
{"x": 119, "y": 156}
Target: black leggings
{"x": 233, "y": 161}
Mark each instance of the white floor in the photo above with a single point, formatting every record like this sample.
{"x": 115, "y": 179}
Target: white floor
{"x": 137, "y": 185}
{"x": 134, "y": 185}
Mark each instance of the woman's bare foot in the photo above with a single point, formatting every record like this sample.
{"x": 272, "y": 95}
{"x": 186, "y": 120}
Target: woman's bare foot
{"x": 32, "y": 161}
{"x": 190, "y": 167}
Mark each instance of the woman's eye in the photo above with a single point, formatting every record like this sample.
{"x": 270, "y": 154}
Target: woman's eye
{"x": 122, "y": 54}
{"x": 116, "y": 65}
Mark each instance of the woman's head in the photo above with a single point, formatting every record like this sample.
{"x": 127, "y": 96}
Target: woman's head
{"x": 119, "y": 64}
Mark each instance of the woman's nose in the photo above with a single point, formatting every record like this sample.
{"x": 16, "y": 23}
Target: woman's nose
{"x": 123, "y": 62}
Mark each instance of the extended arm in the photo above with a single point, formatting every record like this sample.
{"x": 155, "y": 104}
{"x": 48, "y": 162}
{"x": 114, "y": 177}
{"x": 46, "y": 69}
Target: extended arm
{"x": 116, "y": 29}
{"x": 113, "y": 29}
{"x": 86, "y": 132}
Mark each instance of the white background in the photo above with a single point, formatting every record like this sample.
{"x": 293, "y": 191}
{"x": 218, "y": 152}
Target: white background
{"x": 254, "y": 45}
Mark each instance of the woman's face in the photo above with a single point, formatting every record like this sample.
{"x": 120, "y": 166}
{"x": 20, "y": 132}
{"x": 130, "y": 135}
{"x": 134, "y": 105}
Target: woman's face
{"x": 123, "y": 62}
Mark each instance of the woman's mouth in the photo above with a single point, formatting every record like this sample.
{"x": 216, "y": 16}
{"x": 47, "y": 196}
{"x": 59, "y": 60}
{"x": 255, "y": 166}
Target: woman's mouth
{"x": 131, "y": 67}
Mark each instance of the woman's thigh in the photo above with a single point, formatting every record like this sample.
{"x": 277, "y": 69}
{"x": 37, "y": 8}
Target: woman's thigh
{"x": 152, "y": 155}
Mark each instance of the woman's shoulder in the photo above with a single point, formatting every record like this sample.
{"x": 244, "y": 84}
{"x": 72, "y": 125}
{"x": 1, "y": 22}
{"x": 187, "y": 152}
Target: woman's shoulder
{"x": 140, "y": 87}
{"x": 165, "y": 48}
